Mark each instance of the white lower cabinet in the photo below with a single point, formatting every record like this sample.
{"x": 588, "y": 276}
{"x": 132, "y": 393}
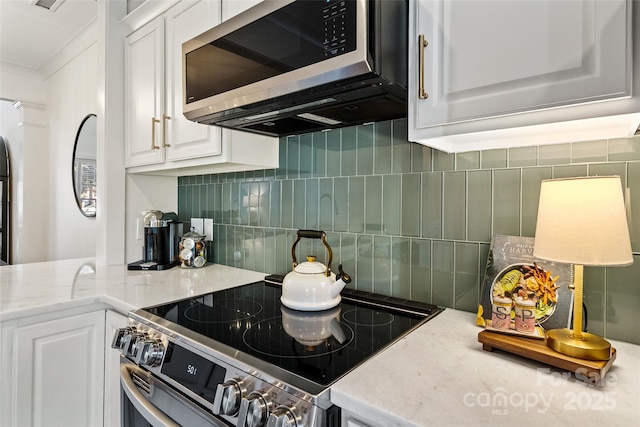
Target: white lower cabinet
{"x": 58, "y": 369}
{"x": 57, "y": 372}
{"x": 114, "y": 321}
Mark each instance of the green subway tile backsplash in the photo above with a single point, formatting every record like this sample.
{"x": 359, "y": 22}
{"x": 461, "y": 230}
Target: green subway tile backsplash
{"x": 491, "y": 159}
{"x": 382, "y": 148}
{"x": 391, "y": 204}
{"x": 364, "y": 157}
{"x": 373, "y": 207}
{"x": 507, "y": 190}
{"x": 442, "y": 273}
{"x": 531, "y": 180}
{"x": 356, "y": 204}
{"x": 432, "y": 202}
{"x": 624, "y": 149}
{"x": 523, "y": 156}
{"x": 409, "y": 221}
{"x": 420, "y": 269}
{"x": 567, "y": 171}
{"x": 478, "y": 206}
{"x": 591, "y": 151}
{"x": 410, "y": 204}
{"x": 306, "y": 156}
{"x": 349, "y": 151}
{"x": 401, "y": 155}
{"x": 469, "y": 160}
{"x": 454, "y": 209}
{"x": 420, "y": 158}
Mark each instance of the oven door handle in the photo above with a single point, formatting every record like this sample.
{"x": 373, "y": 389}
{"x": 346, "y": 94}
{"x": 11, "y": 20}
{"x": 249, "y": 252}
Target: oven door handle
{"x": 153, "y": 415}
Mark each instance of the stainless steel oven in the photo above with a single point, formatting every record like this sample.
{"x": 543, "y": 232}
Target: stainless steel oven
{"x": 238, "y": 357}
{"x": 147, "y": 401}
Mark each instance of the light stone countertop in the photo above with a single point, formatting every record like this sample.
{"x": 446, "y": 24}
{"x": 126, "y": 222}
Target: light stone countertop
{"x": 437, "y": 375}
{"x": 39, "y": 288}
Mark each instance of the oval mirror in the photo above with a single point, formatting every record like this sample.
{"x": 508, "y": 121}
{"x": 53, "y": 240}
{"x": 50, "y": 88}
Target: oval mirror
{"x": 84, "y": 166}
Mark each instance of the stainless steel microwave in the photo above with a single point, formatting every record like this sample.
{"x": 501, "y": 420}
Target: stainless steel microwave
{"x": 287, "y": 67}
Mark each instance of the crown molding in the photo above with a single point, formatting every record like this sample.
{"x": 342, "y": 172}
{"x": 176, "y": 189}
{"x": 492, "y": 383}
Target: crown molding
{"x": 9, "y": 67}
{"x": 85, "y": 38}
{"x": 146, "y": 12}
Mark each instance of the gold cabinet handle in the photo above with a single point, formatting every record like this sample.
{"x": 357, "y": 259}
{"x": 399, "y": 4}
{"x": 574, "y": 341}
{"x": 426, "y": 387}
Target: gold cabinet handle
{"x": 422, "y": 43}
{"x": 153, "y": 133}
{"x": 164, "y": 130}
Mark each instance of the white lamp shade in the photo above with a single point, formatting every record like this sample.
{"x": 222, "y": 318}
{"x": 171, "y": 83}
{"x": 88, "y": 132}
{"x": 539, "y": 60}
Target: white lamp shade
{"x": 583, "y": 221}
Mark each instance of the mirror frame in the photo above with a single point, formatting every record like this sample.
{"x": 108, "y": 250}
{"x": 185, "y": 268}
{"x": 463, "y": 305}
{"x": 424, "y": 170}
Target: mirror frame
{"x": 74, "y": 172}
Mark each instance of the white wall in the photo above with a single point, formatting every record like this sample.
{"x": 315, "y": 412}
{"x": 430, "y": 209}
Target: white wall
{"x": 40, "y": 129}
{"x": 146, "y": 192}
{"x": 23, "y": 84}
{"x": 24, "y": 115}
{"x": 71, "y": 94}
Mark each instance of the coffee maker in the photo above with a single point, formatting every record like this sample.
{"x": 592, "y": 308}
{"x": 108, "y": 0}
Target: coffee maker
{"x": 160, "y": 242}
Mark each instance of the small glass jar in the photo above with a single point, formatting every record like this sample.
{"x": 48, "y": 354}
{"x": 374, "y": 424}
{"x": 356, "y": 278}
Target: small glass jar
{"x": 192, "y": 250}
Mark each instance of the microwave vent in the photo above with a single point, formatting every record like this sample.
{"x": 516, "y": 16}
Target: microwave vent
{"x": 50, "y": 5}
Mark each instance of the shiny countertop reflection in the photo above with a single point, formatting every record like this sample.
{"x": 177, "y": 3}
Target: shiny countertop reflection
{"x": 37, "y": 288}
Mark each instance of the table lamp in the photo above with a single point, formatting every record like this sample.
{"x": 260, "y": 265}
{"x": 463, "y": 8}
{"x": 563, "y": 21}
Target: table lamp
{"x": 582, "y": 221}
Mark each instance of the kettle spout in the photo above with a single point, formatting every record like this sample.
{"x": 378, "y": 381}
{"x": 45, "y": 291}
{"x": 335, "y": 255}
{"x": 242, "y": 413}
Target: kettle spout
{"x": 342, "y": 279}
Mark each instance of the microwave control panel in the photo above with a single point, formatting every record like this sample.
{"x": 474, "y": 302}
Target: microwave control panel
{"x": 339, "y": 27}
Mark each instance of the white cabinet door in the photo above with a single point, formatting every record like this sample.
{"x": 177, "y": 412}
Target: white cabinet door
{"x": 504, "y": 59}
{"x": 231, "y": 8}
{"x": 159, "y": 139}
{"x": 187, "y": 139}
{"x": 114, "y": 321}
{"x": 144, "y": 95}
{"x": 58, "y": 372}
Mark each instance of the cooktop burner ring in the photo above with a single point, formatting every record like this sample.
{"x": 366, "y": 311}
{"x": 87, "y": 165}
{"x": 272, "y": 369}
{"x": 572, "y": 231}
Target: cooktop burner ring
{"x": 368, "y": 318}
{"x": 276, "y": 324}
{"x": 236, "y": 314}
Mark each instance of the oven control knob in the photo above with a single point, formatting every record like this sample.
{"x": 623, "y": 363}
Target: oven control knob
{"x": 227, "y": 398}
{"x": 130, "y": 343}
{"x": 254, "y": 410}
{"x": 149, "y": 352}
{"x": 121, "y": 333}
{"x": 282, "y": 417}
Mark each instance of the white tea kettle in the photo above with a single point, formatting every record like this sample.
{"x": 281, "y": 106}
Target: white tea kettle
{"x": 312, "y": 286}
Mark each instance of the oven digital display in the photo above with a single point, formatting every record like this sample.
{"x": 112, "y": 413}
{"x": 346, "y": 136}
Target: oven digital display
{"x": 198, "y": 374}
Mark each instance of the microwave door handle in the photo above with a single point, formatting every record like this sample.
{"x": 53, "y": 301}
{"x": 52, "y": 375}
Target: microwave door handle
{"x": 153, "y": 415}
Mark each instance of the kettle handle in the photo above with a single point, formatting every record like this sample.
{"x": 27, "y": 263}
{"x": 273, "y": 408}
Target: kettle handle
{"x": 313, "y": 234}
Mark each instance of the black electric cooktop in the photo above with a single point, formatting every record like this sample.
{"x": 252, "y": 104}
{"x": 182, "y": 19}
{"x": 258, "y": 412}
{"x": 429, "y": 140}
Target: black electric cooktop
{"x": 319, "y": 346}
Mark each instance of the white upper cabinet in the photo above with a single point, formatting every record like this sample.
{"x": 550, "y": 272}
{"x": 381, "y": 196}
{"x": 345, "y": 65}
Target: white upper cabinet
{"x": 144, "y": 102}
{"x": 509, "y": 73}
{"x": 158, "y": 138}
{"x": 187, "y": 139}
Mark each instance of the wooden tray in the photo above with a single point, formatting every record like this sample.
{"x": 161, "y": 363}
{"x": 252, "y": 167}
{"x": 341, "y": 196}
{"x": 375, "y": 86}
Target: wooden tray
{"x": 590, "y": 371}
